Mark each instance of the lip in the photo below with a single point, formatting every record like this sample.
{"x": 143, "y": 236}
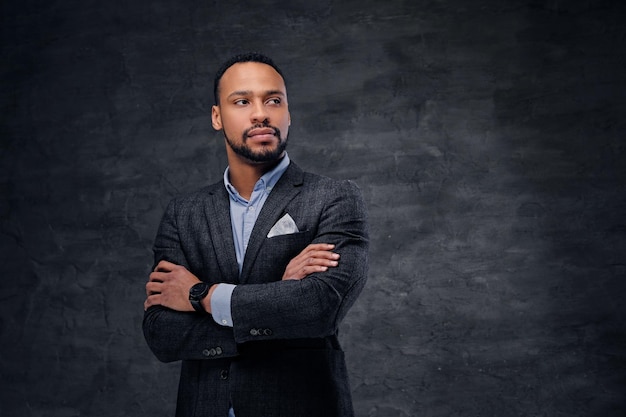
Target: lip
{"x": 261, "y": 133}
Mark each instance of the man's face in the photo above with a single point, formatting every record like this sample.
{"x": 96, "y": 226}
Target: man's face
{"x": 253, "y": 112}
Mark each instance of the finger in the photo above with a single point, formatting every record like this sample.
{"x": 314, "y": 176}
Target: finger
{"x": 158, "y": 276}
{"x": 311, "y": 269}
{"x": 306, "y": 257}
{"x": 315, "y": 247}
{"x": 165, "y": 266}
{"x": 316, "y": 257}
{"x": 319, "y": 262}
{"x": 152, "y": 300}
{"x": 324, "y": 255}
{"x": 328, "y": 259}
{"x": 318, "y": 247}
{"x": 302, "y": 269}
{"x": 153, "y": 288}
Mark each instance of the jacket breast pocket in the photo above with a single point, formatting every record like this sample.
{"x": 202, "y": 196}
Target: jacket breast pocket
{"x": 283, "y": 248}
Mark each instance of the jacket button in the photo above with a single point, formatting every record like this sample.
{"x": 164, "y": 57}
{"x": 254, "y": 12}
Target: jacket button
{"x": 267, "y": 332}
{"x": 206, "y": 352}
{"x": 224, "y": 374}
{"x": 218, "y": 350}
{"x": 254, "y": 332}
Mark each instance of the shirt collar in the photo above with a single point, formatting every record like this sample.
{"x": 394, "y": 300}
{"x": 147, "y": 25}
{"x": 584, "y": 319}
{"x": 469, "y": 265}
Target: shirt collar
{"x": 266, "y": 182}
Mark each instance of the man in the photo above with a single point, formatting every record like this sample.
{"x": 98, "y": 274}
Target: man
{"x": 253, "y": 274}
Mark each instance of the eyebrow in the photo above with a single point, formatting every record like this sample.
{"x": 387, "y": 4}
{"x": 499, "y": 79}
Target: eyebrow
{"x": 240, "y": 93}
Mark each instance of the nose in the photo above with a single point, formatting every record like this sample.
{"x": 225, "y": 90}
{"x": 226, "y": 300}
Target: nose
{"x": 259, "y": 113}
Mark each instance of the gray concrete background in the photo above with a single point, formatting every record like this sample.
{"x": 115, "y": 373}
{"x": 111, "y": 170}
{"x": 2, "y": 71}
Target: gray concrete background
{"x": 487, "y": 137}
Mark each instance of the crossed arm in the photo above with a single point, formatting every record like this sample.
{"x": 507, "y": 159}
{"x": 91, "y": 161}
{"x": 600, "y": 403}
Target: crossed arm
{"x": 292, "y": 308}
{"x": 169, "y": 283}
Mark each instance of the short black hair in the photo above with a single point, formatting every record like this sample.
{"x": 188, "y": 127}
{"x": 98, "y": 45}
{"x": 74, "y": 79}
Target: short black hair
{"x": 247, "y": 57}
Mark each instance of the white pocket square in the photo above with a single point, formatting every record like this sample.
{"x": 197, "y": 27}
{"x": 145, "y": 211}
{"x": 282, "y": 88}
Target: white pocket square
{"x": 284, "y": 226}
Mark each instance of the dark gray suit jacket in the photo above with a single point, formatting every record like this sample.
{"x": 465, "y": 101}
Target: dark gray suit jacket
{"x": 282, "y": 357}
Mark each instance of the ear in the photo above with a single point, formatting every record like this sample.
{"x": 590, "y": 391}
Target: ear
{"x": 216, "y": 118}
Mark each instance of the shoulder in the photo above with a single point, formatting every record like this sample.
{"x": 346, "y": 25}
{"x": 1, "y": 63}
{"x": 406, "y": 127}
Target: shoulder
{"x": 196, "y": 199}
{"x": 329, "y": 186}
{"x": 296, "y": 175}
{"x": 320, "y": 190}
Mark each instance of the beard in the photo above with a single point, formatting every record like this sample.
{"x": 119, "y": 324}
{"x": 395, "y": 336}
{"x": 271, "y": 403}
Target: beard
{"x": 267, "y": 154}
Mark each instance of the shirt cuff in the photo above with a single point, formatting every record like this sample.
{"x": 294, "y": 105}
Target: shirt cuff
{"x": 220, "y": 304}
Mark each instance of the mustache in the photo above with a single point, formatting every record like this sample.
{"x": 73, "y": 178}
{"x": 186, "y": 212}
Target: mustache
{"x": 266, "y": 125}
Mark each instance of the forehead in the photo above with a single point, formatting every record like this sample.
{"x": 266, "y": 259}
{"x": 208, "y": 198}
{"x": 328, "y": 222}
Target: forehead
{"x": 251, "y": 76}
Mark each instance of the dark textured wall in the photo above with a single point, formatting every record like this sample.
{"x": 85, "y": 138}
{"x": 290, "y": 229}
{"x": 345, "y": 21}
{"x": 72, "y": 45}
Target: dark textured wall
{"x": 487, "y": 137}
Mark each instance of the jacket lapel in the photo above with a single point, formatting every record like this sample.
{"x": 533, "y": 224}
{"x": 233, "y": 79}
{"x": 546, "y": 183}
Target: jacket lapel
{"x": 284, "y": 191}
{"x": 217, "y": 213}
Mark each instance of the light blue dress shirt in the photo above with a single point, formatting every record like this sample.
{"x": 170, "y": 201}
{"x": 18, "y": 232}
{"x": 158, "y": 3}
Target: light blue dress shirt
{"x": 243, "y": 215}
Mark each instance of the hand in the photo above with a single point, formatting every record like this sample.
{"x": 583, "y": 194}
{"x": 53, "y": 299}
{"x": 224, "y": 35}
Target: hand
{"x": 317, "y": 257}
{"x": 169, "y": 286}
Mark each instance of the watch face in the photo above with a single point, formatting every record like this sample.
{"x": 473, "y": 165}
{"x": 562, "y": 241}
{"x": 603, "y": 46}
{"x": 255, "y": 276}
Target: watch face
{"x": 199, "y": 290}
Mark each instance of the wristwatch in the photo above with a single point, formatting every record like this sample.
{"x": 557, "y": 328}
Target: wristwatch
{"x": 197, "y": 294}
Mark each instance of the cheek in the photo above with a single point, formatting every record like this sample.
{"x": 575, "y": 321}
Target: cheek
{"x": 232, "y": 123}
{"x": 283, "y": 121}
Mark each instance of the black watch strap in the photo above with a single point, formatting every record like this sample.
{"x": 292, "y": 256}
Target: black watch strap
{"x": 197, "y": 305}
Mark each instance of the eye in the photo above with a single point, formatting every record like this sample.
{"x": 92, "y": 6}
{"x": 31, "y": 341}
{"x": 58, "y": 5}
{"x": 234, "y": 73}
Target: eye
{"x": 274, "y": 101}
{"x": 241, "y": 102}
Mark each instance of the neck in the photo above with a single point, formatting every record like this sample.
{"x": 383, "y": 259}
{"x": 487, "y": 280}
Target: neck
{"x": 243, "y": 174}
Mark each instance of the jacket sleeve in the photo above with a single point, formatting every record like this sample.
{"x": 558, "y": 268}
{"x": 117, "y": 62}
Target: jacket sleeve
{"x": 174, "y": 335}
{"x": 314, "y": 306}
